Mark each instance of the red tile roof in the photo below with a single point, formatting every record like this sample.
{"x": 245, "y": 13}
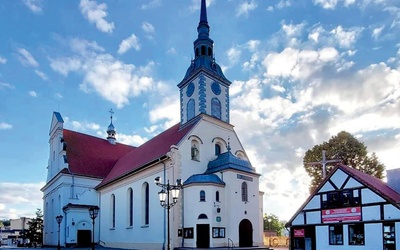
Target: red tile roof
{"x": 148, "y": 152}
{"x": 371, "y": 182}
{"x": 92, "y": 156}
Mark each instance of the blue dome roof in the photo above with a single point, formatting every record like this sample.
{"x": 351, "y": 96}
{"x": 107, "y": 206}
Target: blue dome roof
{"x": 204, "y": 178}
{"x": 228, "y": 161}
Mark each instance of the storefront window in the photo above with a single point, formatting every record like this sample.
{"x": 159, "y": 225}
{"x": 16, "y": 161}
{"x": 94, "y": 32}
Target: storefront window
{"x": 356, "y": 234}
{"x": 336, "y": 235}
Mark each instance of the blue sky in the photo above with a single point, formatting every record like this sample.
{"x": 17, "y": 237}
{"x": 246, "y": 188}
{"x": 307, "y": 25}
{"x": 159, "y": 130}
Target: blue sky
{"x": 302, "y": 71}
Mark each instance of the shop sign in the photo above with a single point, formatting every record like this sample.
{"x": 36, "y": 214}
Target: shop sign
{"x": 299, "y": 232}
{"x": 341, "y": 214}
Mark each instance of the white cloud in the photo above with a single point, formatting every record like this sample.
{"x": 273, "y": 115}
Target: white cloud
{"x": 41, "y": 75}
{"x": 134, "y": 140}
{"x": 4, "y": 125}
{"x": 196, "y": 5}
{"x": 84, "y": 125}
{"x": 346, "y": 39}
{"x": 32, "y": 93}
{"x": 65, "y": 65}
{"x": 34, "y": 5}
{"x": 131, "y": 42}
{"x": 326, "y": 4}
{"x": 377, "y": 32}
{"x": 171, "y": 51}
{"x": 2, "y": 60}
{"x": 58, "y": 96}
{"x": 20, "y": 199}
{"x": 245, "y": 8}
{"x": 148, "y": 28}
{"x": 151, "y": 5}
{"x": 6, "y": 85}
{"x": 283, "y": 4}
{"x": 96, "y": 13}
{"x": 26, "y": 58}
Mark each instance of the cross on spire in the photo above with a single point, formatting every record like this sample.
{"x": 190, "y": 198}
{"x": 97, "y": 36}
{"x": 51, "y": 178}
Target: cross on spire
{"x": 323, "y": 163}
{"x": 111, "y": 114}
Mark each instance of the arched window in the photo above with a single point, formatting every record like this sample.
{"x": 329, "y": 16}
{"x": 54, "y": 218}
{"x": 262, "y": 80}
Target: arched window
{"x": 194, "y": 150}
{"x": 216, "y": 108}
{"x": 244, "y": 192}
{"x": 146, "y": 204}
{"x": 203, "y": 50}
{"x": 202, "y": 195}
{"x": 112, "y": 203}
{"x": 217, "y": 196}
{"x": 209, "y": 51}
{"x": 197, "y": 52}
{"x": 190, "y": 109}
{"x": 202, "y": 216}
{"x": 217, "y": 149}
{"x": 130, "y": 207}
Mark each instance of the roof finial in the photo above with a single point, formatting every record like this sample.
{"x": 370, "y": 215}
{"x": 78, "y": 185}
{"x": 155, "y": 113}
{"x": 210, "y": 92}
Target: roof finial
{"x": 111, "y": 129}
{"x": 203, "y": 12}
{"x": 111, "y": 114}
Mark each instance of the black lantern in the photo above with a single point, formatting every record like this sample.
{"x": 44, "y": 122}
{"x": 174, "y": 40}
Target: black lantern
{"x": 93, "y": 212}
{"x": 59, "y": 220}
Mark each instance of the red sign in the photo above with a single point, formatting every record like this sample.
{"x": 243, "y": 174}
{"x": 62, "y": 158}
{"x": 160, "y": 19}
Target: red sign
{"x": 341, "y": 214}
{"x": 299, "y": 232}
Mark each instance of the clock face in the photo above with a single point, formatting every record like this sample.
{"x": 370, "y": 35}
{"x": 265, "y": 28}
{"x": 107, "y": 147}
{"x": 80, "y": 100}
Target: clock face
{"x": 216, "y": 89}
{"x": 190, "y": 89}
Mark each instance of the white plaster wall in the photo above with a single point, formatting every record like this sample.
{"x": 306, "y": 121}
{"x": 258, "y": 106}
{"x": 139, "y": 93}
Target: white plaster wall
{"x": 371, "y": 213}
{"x": 314, "y": 203}
{"x": 391, "y": 212}
{"x": 338, "y": 178}
{"x": 313, "y": 217}
{"x": 369, "y": 196}
{"x": 299, "y": 220}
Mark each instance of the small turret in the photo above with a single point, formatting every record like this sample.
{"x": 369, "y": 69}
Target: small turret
{"x": 111, "y": 130}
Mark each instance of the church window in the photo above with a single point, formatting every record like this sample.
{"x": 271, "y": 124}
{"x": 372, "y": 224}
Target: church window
{"x": 203, "y": 50}
{"x": 190, "y": 109}
{"x": 244, "y": 192}
{"x": 112, "y": 211}
{"x": 130, "y": 207}
{"x": 146, "y": 204}
{"x": 216, "y": 108}
{"x": 202, "y": 195}
{"x": 202, "y": 216}
{"x": 217, "y": 196}
{"x": 210, "y": 51}
{"x": 194, "y": 150}
{"x": 197, "y": 52}
{"x": 217, "y": 149}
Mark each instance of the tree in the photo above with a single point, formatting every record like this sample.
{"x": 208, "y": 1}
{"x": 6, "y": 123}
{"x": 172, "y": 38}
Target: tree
{"x": 346, "y": 148}
{"x": 35, "y": 228}
{"x": 272, "y": 223}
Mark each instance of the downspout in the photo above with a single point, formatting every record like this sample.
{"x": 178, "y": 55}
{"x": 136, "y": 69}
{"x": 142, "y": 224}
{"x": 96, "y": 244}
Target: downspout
{"x": 183, "y": 216}
{"x": 165, "y": 218}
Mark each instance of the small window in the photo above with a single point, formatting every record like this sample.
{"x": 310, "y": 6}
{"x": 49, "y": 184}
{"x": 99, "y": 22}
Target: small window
{"x": 356, "y": 234}
{"x": 217, "y": 149}
{"x": 130, "y": 207}
{"x": 190, "y": 109}
{"x": 244, "y": 192}
{"x": 217, "y": 196}
{"x": 203, "y": 50}
{"x": 216, "y": 108}
{"x": 333, "y": 199}
{"x": 112, "y": 211}
{"x": 347, "y": 198}
{"x": 202, "y": 195}
{"x": 336, "y": 235}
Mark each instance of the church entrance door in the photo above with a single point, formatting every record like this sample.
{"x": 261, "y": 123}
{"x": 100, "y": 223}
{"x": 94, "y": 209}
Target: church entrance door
{"x": 84, "y": 238}
{"x": 203, "y": 235}
{"x": 245, "y": 233}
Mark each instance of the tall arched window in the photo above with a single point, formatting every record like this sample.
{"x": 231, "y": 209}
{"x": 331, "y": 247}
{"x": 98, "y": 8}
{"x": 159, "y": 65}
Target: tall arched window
{"x": 145, "y": 204}
{"x": 244, "y": 192}
{"x": 203, "y": 50}
{"x": 217, "y": 149}
{"x": 130, "y": 207}
{"x": 190, "y": 109}
{"x": 202, "y": 195}
{"x": 112, "y": 203}
{"x": 216, "y": 108}
{"x": 217, "y": 196}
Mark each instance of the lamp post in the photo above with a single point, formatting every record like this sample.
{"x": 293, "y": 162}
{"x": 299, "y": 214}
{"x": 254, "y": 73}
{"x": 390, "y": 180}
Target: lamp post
{"x": 59, "y": 219}
{"x": 163, "y": 195}
{"x": 93, "y": 212}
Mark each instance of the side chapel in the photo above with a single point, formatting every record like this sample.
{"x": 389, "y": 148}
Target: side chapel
{"x": 219, "y": 204}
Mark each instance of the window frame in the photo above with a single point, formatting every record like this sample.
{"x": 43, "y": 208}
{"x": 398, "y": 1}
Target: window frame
{"x": 359, "y": 231}
{"x": 202, "y": 196}
{"x": 337, "y": 231}
{"x": 245, "y": 192}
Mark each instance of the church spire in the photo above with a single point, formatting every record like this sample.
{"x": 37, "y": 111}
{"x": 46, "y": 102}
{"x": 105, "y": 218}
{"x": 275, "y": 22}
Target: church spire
{"x": 111, "y": 130}
{"x": 203, "y": 46}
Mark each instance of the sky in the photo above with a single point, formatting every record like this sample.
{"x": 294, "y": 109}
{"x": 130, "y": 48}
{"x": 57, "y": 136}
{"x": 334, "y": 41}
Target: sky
{"x": 301, "y": 72}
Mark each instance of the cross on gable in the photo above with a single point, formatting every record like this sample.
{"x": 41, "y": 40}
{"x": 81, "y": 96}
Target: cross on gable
{"x": 323, "y": 163}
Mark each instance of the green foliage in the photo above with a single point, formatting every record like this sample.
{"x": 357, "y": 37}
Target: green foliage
{"x": 5, "y": 223}
{"x": 349, "y": 150}
{"x": 272, "y": 223}
{"x": 35, "y": 228}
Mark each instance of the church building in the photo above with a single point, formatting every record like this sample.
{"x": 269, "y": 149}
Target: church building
{"x": 219, "y": 203}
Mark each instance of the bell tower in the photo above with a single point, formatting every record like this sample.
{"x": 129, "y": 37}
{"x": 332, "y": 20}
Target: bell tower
{"x": 204, "y": 89}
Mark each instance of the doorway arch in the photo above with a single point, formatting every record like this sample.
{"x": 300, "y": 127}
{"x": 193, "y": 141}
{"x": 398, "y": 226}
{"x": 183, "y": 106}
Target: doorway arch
{"x": 245, "y": 233}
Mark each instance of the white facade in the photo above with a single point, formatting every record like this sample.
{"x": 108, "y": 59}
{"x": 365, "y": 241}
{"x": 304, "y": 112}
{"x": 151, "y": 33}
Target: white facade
{"x": 349, "y": 210}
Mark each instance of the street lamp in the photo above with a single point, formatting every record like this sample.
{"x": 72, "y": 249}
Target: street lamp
{"x": 93, "y": 212}
{"x": 59, "y": 219}
{"x": 163, "y": 195}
